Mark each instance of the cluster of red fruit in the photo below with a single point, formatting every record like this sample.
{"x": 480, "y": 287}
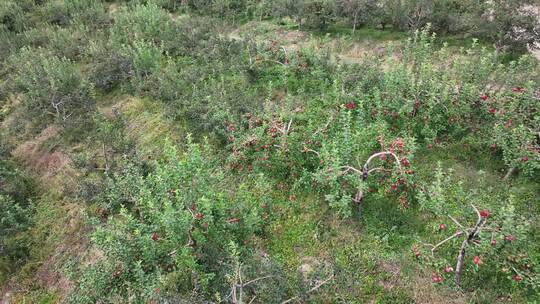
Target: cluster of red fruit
{"x": 436, "y": 278}
{"x": 398, "y": 146}
{"x": 350, "y": 105}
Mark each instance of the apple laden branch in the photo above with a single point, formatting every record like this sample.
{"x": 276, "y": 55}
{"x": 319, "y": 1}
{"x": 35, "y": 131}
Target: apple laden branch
{"x": 470, "y": 237}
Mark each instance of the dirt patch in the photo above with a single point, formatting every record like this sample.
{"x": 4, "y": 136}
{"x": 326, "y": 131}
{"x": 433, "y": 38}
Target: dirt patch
{"x": 51, "y": 167}
{"x": 423, "y": 291}
{"x": 394, "y": 270}
{"x": 290, "y": 37}
{"x": 291, "y": 40}
{"x": 46, "y": 163}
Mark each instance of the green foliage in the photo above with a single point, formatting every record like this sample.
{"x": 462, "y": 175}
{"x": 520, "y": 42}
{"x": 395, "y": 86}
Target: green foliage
{"x": 53, "y": 89}
{"x": 15, "y": 218}
{"x": 503, "y": 245}
{"x": 11, "y": 16}
{"x": 316, "y": 14}
{"x": 172, "y": 229}
{"x": 141, "y": 22}
{"x": 67, "y": 12}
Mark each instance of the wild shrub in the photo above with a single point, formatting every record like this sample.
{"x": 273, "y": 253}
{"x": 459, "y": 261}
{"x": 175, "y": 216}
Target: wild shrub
{"x": 67, "y": 12}
{"x": 124, "y": 66}
{"x": 110, "y": 68}
{"x": 12, "y": 16}
{"x": 15, "y": 218}
{"x": 146, "y": 59}
{"x": 54, "y": 91}
{"x": 70, "y": 42}
{"x": 141, "y": 22}
{"x": 172, "y": 230}
{"x": 192, "y": 36}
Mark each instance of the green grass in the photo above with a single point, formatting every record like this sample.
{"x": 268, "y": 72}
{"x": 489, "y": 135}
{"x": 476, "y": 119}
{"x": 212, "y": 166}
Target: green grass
{"x": 363, "y": 34}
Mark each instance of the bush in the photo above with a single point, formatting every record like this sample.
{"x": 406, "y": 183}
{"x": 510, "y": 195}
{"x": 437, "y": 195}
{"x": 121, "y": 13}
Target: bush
{"x": 68, "y": 12}
{"x": 141, "y": 22}
{"x": 317, "y": 14}
{"x": 171, "y": 234}
{"x": 15, "y": 218}
{"x": 53, "y": 89}
{"x": 109, "y": 68}
{"x": 12, "y": 16}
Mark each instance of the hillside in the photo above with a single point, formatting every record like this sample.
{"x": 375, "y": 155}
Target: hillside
{"x": 312, "y": 151}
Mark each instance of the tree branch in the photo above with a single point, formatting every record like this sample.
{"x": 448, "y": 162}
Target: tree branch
{"x": 459, "y": 233}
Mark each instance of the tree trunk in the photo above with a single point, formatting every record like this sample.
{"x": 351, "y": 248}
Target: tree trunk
{"x": 459, "y": 265}
{"x": 509, "y": 173}
{"x": 354, "y": 22}
{"x": 461, "y": 256}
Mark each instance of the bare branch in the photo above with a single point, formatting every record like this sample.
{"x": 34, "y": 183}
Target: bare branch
{"x": 257, "y": 279}
{"x": 285, "y": 131}
{"x": 289, "y": 126}
{"x": 306, "y": 149}
{"x": 459, "y": 233}
{"x": 456, "y": 222}
{"x": 509, "y": 173}
{"x": 350, "y": 168}
{"x": 366, "y": 165}
{"x": 477, "y": 212}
